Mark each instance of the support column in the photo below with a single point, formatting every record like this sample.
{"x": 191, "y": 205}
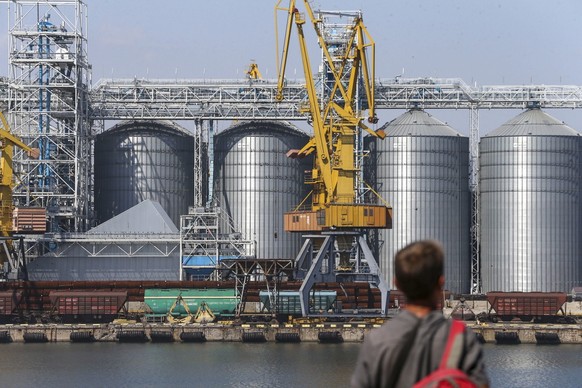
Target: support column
{"x": 475, "y": 200}
{"x": 318, "y": 262}
{"x": 210, "y": 179}
{"x": 198, "y": 164}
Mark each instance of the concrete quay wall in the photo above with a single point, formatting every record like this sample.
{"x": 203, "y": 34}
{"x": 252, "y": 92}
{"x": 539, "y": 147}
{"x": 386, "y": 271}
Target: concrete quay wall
{"x": 567, "y": 334}
{"x": 212, "y": 332}
{"x": 348, "y": 332}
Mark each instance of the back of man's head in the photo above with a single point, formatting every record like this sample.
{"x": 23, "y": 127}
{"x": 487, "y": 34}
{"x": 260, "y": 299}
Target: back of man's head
{"x": 418, "y": 268}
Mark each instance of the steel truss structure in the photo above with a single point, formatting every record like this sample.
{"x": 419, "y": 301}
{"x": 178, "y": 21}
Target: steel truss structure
{"x": 316, "y": 263}
{"x": 194, "y": 99}
{"x": 108, "y": 245}
{"x": 189, "y": 99}
{"x": 269, "y": 271}
{"x": 255, "y": 99}
{"x": 475, "y": 201}
{"x": 207, "y": 238}
{"x": 47, "y": 98}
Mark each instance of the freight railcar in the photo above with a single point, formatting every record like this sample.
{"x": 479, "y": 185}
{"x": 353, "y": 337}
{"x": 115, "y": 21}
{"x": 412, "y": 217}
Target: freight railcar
{"x": 9, "y": 301}
{"x": 539, "y": 307}
{"x": 285, "y": 303}
{"x": 86, "y": 306}
{"x": 221, "y": 301}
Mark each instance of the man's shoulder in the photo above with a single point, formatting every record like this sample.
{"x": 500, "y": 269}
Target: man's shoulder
{"x": 406, "y": 322}
{"x": 395, "y": 328}
{"x": 404, "y": 319}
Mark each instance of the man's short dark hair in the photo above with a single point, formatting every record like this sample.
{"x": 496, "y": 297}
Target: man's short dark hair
{"x": 418, "y": 267}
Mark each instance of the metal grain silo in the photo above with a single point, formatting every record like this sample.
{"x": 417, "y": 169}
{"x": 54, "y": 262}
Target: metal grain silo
{"x": 531, "y": 211}
{"x": 141, "y": 160}
{"x": 422, "y": 169}
{"x": 255, "y": 182}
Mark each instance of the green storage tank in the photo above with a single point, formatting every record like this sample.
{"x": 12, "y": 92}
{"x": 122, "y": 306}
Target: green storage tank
{"x": 222, "y": 301}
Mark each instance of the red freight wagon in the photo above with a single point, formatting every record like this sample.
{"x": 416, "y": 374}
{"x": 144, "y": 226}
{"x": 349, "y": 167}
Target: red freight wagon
{"x": 9, "y": 301}
{"x": 29, "y": 220}
{"x": 526, "y": 305}
{"x": 89, "y": 306}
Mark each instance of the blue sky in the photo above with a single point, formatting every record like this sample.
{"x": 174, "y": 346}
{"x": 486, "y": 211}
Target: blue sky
{"x": 487, "y": 42}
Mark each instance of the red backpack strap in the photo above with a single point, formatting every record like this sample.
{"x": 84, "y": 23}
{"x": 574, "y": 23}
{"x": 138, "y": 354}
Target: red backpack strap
{"x": 454, "y": 346}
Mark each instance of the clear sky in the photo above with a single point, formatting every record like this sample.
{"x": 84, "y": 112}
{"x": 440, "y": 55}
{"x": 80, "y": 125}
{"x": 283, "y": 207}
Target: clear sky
{"x": 484, "y": 42}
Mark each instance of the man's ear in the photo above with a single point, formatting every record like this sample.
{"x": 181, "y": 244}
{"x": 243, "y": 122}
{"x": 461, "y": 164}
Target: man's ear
{"x": 396, "y": 283}
{"x": 442, "y": 281}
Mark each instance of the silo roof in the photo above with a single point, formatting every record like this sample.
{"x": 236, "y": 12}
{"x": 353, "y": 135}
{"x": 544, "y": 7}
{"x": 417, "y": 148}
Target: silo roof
{"x": 157, "y": 125}
{"x": 416, "y": 122}
{"x": 278, "y": 126}
{"x": 533, "y": 122}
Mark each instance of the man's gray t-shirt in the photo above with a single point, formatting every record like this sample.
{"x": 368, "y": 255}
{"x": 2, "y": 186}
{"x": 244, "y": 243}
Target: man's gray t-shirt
{"x": 377, "y": 361}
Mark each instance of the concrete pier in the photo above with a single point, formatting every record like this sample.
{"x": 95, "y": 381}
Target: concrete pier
{"x": 349, "y": 332}
{"x": 567, "y": 334}
{"x": 308, "y": 332}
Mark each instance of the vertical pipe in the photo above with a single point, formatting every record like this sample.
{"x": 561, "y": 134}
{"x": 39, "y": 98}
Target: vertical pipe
{"x": 210, "y": 161}
{"x": 198, "y": 163}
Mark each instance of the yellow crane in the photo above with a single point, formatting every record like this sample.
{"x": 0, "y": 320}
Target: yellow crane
{"x": 334, "y": 200}
{"x": 253, "y": 71}
{"x": 8, "y": 142}
{"x": 339, "y": 213}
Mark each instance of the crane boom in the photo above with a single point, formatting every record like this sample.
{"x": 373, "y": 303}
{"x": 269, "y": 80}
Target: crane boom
{"x": 9, "y": 141}
{"x": 336, "y": 123}
{"x": 281, "y": 66}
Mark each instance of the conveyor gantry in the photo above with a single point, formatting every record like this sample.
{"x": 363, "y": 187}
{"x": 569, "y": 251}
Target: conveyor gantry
{"x": 244, "y": 99}
{"x": 117, "y": 99}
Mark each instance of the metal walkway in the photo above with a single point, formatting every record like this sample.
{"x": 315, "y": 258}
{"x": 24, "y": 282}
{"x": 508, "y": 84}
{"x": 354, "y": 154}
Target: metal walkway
{"x": 255, "y": 99}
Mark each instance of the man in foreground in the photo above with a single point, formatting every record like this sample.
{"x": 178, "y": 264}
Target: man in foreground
{"x": 410, "y": 346}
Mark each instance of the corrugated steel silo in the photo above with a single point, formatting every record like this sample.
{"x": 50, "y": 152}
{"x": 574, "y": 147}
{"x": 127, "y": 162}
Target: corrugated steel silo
{"x": 141, "y": 160}
{"x": 255, "y": 182}
{"x": 531, "y": 210}
{"x": 422, "y": 170}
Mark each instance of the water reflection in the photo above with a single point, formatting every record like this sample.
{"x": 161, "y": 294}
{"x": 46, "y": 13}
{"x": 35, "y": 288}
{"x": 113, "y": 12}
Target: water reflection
{"x": 250, "y": 365}
{"x": 534, "y": 366}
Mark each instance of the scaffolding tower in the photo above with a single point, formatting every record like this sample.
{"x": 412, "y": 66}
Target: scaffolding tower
{"x": 48, "y": 108}
{"x": 207, "y": 237}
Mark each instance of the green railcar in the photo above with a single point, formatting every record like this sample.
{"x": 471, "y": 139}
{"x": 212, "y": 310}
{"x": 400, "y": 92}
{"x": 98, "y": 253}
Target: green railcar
{"x": 289, "y": 302}
{"x": 222, "y": 301}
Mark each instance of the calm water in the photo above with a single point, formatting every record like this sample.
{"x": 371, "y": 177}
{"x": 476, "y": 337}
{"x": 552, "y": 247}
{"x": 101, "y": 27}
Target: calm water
{"x": 250, "y": 365}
